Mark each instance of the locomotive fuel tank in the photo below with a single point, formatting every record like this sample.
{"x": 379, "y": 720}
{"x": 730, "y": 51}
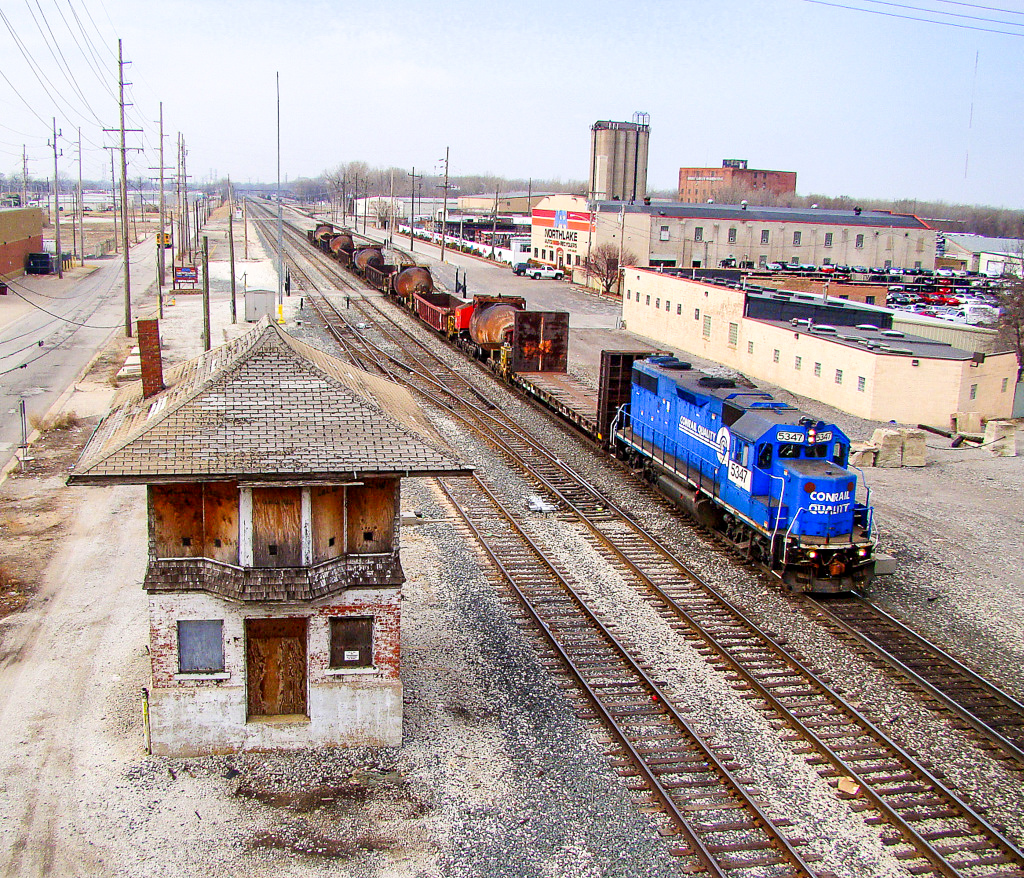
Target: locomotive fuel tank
{"x": 366, "y": 257}
{"x": 491, "y": 325}
{"x": 411, "y": 281}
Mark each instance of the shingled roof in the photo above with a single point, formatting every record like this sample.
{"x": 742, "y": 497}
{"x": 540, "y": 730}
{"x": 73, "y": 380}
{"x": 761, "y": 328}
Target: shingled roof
{"x": 265, "y": 406}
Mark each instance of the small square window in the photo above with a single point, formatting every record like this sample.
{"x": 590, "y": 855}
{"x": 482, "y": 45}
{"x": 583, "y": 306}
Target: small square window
{"x": 828, "y": 239}
{"x": 679, "y": 309}
{"x": 734, "y": 334}
{"x": 707, "y": 326}
{"x": 974, "y": 391}
{"x": 1003, "y": 390}
{"x": 629, "y": 295}
{"x": 668, "y": 305}
{"x": 664, "y": 233}
{"x": 657, "y": 303}
{"x": 839, "y": 376}
{"x": 775, "y": 355}
{"x": 696, "y": 313}
{"x": 200, "y": 646}
{"x": 648, "y": 300}
{"x": 817, "y": 370}
{"x": 352, "y": 642}
{"x": 862, "y": 383}
{"x": 797, "y": 363}
{"x": 698, "y": 233}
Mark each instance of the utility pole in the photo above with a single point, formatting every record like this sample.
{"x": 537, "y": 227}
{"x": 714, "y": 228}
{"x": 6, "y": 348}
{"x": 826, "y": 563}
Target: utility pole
{"x": 56, "y": 202}
{"x": 412, "y": 209}
{"x": 245, "y": 225}
{"x": 184, "y": 194}
{"x": 494, "y": 222}
{"x": 81, "y": 204}
{"x": 444, "y": 210}
{"x": 206, "y": 293}
{"x": 280, "y": 223}
{"x": 161, "y": 259}
{"x": 231, "y": 248}
{"x": 124, "y": 204}
{"x": 24, "y": 176}
{"x": 113, "y": 199}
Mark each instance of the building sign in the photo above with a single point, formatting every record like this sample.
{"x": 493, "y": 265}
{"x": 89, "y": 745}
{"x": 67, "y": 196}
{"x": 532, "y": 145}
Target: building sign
{"x": 562, "y": 230}
{"x": 186, "y": 274}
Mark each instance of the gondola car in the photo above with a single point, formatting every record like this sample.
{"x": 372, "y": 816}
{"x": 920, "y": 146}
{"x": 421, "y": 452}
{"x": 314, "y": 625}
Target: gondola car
{"x": 771, "y": 479}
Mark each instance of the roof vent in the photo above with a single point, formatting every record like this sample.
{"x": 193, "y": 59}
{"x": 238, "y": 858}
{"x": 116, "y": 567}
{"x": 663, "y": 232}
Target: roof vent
{"x": 712, "y": 381}
{"x": 801, "y": 321}
{"x": 823, "y": 327}
{"x": 867, "y": 327}
{"x": 900, "y": 351}
{"x": 673, "y": 363}
{"x": 892, "y": 333}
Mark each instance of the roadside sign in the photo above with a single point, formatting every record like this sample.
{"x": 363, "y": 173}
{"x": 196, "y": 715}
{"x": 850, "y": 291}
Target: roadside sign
{"x": 186, "y": 273}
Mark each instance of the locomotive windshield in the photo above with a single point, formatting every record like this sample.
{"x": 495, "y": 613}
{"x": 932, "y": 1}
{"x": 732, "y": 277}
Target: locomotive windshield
{"x": 792, "y": 451}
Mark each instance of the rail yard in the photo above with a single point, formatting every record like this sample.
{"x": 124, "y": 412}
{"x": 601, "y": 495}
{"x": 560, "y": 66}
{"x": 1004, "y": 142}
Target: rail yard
{"x": 704, "y": 796}
{"x": 595, "y": 684}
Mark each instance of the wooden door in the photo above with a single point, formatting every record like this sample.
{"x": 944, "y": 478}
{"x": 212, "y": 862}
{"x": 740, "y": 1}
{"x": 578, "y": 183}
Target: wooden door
{"x": 276, "y": 664}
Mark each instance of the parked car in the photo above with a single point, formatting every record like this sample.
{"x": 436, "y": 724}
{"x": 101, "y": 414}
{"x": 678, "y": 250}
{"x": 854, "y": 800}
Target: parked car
{"x": 547, "y": 272}
{"x": 775, "y": 266}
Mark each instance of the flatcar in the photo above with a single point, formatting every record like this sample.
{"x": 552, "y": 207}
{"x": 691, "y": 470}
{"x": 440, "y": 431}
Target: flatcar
{"x": 771, "y": 479}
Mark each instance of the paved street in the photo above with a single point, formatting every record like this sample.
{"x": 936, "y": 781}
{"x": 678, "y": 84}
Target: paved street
{"x": 50, "y": 329}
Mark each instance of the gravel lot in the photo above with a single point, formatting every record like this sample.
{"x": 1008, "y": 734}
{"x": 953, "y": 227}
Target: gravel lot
{"x": 496, "y": 776}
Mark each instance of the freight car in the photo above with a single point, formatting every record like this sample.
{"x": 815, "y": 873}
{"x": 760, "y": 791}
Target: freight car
{"x": 771, "y": 479}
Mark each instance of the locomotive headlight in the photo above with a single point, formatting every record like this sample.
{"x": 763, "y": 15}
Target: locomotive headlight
{"x": 862, "y": 552}
{"x": 812, "y": 554}
{"x": 811, "y": 434}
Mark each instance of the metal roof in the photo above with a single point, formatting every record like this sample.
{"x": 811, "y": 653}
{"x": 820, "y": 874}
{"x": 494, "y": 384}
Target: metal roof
{"x": 883, "y": 342}
{"x": 683, "y": 210}
{"x": 265, "y": 405}
{"x": 983, "y": 244}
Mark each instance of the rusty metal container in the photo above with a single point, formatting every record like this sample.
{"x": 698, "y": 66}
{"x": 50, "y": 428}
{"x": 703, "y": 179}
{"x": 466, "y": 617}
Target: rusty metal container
{"x": 412, "y": 281}
{"x": 540, "y": 341}
{"x": 342, "y": 242}
{"x": 368, "y": 256}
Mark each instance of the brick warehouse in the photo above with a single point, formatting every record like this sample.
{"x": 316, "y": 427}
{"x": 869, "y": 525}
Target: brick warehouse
{"x": 21, "y": 233}
{"x": 273, "y": 482}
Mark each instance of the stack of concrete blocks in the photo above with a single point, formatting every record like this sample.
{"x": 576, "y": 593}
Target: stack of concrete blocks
{"x": 891, "y": 448}
{"x": 1001, "y": 438}
{"x": 968, "y": 424}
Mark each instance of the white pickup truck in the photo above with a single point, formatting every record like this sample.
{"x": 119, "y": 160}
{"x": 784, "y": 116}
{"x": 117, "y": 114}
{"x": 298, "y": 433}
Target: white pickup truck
{"x": 539, "y": 271}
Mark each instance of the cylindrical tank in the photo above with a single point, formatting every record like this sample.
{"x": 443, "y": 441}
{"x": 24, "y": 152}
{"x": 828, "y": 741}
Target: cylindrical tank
{"x": 414, "y": 280}
{"x": 342, "y": 242}
{"x": 368, "y": 256}
{"x": 321, "y": 230}
{"x": 490, "y": 324}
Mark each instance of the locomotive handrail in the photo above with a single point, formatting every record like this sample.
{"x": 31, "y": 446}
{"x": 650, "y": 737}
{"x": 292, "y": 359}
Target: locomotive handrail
{"x": 789, "y": 530}
{"x": 775, "y": 521}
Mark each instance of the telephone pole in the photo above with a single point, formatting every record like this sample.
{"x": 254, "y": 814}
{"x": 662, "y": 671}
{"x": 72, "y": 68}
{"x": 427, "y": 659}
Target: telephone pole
{"x": 56, "y": 202}
{"x": 280, "y": 231}
{"x": 161, "y": 257}
{"x": 412, "y": 208}
{"x": 113, "y": 197}
{"x": 24, "y": 176}
{"x": 231, "y": 248}
{"x": 124, "y": 201}
{"x": 444, "y": 211}
{"x": 81, "y": 204}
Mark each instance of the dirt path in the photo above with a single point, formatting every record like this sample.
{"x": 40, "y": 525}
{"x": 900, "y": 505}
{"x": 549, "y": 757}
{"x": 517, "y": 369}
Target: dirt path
{"x": 62, "y": 662}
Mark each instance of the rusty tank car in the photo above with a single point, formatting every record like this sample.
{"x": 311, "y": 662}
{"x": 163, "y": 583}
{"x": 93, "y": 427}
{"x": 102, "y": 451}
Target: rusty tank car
{"x": 412, "y": 281}
{"x": 368, "y": 256}
{"x": 342, "y": 242}
{"x": 493, "y": 320}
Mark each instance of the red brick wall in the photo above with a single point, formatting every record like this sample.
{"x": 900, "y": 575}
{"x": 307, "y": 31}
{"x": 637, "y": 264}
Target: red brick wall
{"x": 14, "y": 254}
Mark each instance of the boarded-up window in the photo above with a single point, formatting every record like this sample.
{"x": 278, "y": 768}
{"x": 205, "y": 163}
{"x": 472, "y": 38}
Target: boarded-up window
{"x": 371, "y": 517}
{"x": 177, "y": 516}
{"x": 200, "y": 646}
{"x": 328, "y": 523}
{"x": 352, "y": 642}
{"x": 276, "y": 527}
{"x": 220, "y": 521}
{"x": 276, "y": 666}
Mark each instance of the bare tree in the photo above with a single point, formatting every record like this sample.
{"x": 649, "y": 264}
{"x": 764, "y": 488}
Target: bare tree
{"x": 604, "y": 262}
{"x": 383, "y": 210}
{"x": 1011, "y": 306}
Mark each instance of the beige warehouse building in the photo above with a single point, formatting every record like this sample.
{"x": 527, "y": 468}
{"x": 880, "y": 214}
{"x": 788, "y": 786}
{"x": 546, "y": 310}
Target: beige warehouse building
{"x": 673, "y": 235}
{"x": 876, "y": 373}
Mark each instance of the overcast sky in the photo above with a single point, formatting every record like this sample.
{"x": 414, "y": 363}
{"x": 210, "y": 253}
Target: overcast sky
{"x": 857, "y": 103}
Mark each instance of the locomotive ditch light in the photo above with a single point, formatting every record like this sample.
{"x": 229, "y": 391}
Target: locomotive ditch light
{"x": 862, "y": 552}
{"x": 812, "y": 554}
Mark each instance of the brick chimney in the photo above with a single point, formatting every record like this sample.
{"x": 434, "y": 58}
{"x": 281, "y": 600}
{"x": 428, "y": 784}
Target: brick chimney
{"x": 149, "y": 354}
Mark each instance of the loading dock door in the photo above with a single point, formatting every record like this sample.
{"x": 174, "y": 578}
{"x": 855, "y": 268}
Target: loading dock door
{"x": 276, "y": 666}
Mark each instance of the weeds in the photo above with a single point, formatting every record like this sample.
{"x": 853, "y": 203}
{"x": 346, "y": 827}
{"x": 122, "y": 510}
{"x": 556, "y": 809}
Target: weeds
{"x": 59, "y": 421}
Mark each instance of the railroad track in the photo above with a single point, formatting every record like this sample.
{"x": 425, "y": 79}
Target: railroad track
{"x": 986, "y": 708}
{"x": 927, "y": 824}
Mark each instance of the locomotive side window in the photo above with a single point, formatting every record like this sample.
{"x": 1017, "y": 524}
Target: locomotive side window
{"x": 764, "y": 456}
{"x": 741, "y": 453}
{"x": 839, "y": 454}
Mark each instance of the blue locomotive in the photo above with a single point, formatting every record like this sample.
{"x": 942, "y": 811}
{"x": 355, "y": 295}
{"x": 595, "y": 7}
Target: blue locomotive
{"x": 774, "y": 481}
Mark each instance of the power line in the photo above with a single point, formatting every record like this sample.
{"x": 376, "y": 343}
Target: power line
{"x": 952, "y": 24}
{"x": 983, "y": 18}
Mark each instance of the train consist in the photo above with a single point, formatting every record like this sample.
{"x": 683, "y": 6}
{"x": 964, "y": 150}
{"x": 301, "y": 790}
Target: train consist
{"x": 499, "y": 330}
{"x": 770, "y": 479}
